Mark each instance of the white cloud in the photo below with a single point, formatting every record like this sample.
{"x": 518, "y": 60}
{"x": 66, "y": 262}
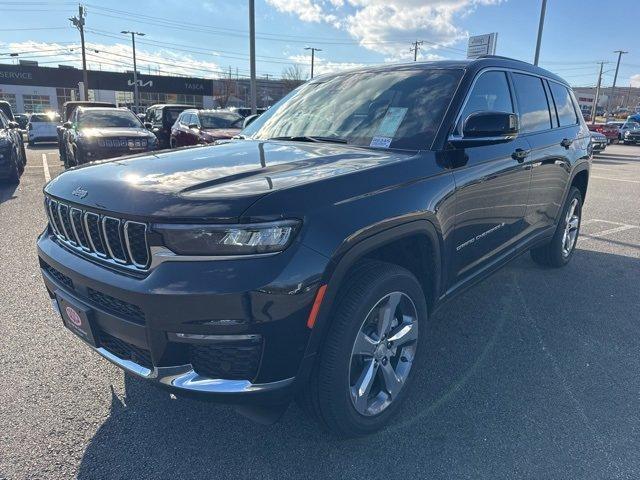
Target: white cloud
{"x": 388, "y": 26}
{"x": 322, "y": 65}
{"x": 635, "y": 80}
{"x": 116, "y": 57}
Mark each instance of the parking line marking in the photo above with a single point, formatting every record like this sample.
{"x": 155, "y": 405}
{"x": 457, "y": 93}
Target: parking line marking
{"x": 45, "y": 166}
{"x": 616, "y": 179}
{"x": 621, "y": 228}
{"x": 598, "y": 220}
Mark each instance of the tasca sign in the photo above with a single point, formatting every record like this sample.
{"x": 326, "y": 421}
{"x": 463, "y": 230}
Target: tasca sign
{"x": 482, "y": 45}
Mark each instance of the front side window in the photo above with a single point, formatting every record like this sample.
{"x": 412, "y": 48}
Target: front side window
{"x": 489, "y": 94}
{"x": 108, "y": 119}
{"x": 399, "y": 108}
{"x": 532, "y": 103}
{"x": 564, "y": 105}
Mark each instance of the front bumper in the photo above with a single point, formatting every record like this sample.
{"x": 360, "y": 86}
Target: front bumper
{"x": 269, "y": 298}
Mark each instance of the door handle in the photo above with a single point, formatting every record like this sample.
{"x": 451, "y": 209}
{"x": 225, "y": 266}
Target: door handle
{"x": 520, "y": 154}
{"x": 566, "y": 142}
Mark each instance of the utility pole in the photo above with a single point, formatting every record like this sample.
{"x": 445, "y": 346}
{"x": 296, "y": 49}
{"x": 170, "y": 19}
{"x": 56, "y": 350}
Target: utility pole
{"x": 415, "y": 48}
{"x": 313, "y": 51}
{"x": 613, "y": 87}
{"x": 136, "y": 94}
{"x": 594, "y": 109}
{"x": 78, "y": 22}
{"x": 543, "y": 12}
{"x": 252, "y": 54}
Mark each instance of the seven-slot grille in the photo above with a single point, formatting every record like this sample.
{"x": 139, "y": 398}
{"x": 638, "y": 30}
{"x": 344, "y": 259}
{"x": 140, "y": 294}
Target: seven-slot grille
{"x": 109, "y": 238}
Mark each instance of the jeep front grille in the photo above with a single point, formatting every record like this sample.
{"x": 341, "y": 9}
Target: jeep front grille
{"x": 123, "y": 242}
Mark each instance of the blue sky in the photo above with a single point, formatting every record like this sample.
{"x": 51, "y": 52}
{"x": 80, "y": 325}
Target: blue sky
{"x": 208, "y": 37}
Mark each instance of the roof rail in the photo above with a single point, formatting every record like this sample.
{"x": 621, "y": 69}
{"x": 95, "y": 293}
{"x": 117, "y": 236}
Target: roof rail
{"x": 503, "y": 58}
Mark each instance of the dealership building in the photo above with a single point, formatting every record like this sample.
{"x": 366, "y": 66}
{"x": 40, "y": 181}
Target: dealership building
{"x": 33, "y": 88}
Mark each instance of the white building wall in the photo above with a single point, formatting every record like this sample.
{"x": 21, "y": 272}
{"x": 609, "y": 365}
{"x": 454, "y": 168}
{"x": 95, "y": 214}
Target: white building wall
{"x": 20, "y": 90}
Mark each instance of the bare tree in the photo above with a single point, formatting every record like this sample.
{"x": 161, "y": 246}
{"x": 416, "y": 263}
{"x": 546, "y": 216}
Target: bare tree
{"x": 292, "y": 77}
{"x": 224, "y": 89}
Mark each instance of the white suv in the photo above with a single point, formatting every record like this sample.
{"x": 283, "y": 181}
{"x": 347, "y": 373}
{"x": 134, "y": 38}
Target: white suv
{"x": 42, "y": 127}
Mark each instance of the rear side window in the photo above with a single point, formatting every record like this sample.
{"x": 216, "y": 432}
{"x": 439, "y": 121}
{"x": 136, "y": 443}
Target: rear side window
{"x": 564, "y": 105}
{"x": 489, "y": 94}
{"x": 532, "y": 103}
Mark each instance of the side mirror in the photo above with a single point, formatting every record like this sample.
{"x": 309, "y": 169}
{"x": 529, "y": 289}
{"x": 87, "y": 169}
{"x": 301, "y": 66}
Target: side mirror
{"x": 67, "y": 125}
{"x": 194, "y": 125}
{"x": 148, "y": 125}
{"x": 488, "y": 127}
{"x": 13, "y": 125}
{"x": 249, "y": 120}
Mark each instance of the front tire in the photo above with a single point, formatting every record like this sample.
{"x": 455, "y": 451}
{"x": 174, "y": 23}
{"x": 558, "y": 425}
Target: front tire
{"x": 368, "y": 359}
{"x": 559, "y": 250}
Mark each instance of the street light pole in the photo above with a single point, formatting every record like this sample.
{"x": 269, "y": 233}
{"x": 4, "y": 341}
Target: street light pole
{"x": 613, "y": 87}
{"x": 252, "y": 56}
{"x": 136, "y": 93}
{"x": 313, "y": 56}
{"x": 543, "y": 12}
{"x": 594, "y": 109}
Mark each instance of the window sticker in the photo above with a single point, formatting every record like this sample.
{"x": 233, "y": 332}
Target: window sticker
{"x": 380, "y": 142}
{"x": 391, "y": 121}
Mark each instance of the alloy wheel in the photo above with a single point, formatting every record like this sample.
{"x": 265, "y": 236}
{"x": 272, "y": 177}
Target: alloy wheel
{"x": 571, "y": 228}
{"x": 383, "y": 354}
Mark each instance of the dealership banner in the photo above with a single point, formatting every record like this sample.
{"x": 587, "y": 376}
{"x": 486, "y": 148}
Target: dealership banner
{"x": 118, "y": 81}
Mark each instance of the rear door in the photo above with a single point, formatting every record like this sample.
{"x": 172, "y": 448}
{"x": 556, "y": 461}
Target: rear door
{"x": 550, "y": 126}
{"x": 492, "y": 184}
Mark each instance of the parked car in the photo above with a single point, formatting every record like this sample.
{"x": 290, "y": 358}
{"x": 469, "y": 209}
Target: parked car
{"x": 598, "y": 141}
{"x": 5, "y": 108}
{"x": 245, "y": 111}
{"x": 22, "y": 119}
{"x": 628, "y": 126}
{"x": 162, "y": 117}
{"x": 608, "y": 130}
{"x": 11, "y": 164}
{"x": 97, "y": 133}
{"x": 42, "y": 127}
{"x": 631, "y": 136}
{"x": 67, "y": 111}
{"x": 197, "y": 127}
{"x": 306, "y": 260}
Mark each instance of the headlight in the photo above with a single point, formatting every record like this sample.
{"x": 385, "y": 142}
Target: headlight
{"x": 244, "y": 239}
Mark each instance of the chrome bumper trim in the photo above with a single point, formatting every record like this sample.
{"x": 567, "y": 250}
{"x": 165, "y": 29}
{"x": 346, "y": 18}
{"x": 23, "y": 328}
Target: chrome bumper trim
{"x": 183, "y": 377}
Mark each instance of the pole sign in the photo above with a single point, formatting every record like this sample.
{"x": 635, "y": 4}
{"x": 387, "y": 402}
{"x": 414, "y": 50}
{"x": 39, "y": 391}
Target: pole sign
{"x": 480, "y": 45}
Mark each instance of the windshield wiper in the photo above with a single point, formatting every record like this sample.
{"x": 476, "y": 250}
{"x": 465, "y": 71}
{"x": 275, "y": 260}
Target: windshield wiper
{"x": 312, "y": 138}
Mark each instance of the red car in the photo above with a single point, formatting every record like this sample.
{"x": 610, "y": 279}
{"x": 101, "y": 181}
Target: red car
{"x": 197, "y": 127}
{"x": 609, "y": 131}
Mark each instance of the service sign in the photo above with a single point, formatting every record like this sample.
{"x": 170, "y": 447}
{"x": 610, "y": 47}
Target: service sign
{"x": 482, "y": 45}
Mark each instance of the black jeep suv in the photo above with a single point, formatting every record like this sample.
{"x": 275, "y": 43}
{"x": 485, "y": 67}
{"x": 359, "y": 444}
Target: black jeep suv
{"x": 305, "y": 259}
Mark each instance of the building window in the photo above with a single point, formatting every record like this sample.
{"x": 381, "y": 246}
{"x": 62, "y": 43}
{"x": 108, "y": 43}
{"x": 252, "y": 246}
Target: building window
{"x": 66, "y": 95}
{"x": 11, "y": 98}
{"x": 125, "y": 99}
{"x": 36, "y": 103}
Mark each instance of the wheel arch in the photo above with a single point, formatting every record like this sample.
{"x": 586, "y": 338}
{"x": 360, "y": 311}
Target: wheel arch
{"x": 420, "y": 234}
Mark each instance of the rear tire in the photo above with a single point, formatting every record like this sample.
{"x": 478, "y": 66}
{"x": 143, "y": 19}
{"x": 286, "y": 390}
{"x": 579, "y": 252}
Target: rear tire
{"x": 558, "y": 252}
{"x": 364, "y": 304}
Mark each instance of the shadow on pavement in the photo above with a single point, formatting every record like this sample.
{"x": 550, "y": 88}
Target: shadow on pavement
{"x": 528, "y": 375}
{"x": 7, "y": 192}
{"x": 42, "y": 146}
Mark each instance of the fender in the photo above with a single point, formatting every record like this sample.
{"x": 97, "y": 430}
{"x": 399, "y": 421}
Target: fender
{"x": 338, "y": 268}
{"x": 580, "y": 167}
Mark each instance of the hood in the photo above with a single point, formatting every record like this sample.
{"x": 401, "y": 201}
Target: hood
{"x": 210, "y": 182}
{"x": 222, "y": 132}
{"x": 116, "y": 132}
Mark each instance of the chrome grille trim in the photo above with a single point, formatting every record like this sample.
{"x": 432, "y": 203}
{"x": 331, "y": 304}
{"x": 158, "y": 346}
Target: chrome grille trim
{"x": 128, "y": 244}
{"x": 108, "y": 242}
{"x": 106, "y": 238}
{"x": 75, "y": 227}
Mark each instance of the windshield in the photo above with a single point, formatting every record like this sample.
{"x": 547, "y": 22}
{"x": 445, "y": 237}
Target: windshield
{"x": 390, "y": 109}
{"x": 172, "y": 114}
{"x": 108, "y": 118}
{"x": 220, "y": 120}
{"x": 45, "y": 117}
{"x": 632, "y": 125}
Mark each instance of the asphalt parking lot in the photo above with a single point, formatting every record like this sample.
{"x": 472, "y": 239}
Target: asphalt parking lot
{"x": 533, "y": 373}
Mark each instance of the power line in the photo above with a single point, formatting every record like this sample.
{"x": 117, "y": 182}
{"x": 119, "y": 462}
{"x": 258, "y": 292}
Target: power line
{"x": 415, "y": 48}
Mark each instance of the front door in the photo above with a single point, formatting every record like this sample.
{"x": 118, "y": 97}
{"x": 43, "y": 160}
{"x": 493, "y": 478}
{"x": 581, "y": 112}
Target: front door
{"x": 492, "y": 185}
